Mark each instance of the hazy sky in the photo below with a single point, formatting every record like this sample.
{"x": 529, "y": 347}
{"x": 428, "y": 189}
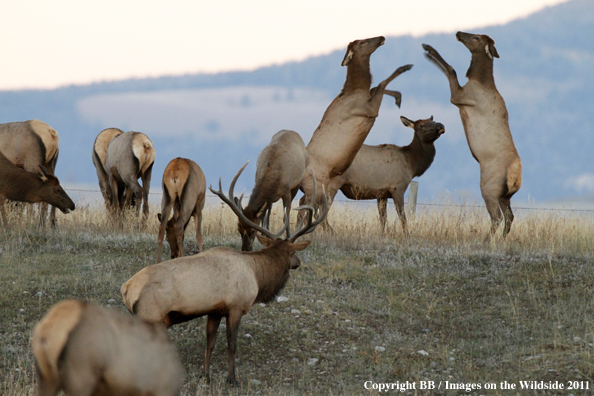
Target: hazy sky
{"x": 51, "y": 43}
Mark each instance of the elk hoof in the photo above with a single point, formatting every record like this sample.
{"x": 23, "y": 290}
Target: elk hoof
{"x": 233, "y": 382}
{"x": 404, "y": 68}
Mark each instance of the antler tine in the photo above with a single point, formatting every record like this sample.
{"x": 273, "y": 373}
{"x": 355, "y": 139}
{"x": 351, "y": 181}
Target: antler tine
{"x": 311, "y": 225}
{"x": 236, "y": 209}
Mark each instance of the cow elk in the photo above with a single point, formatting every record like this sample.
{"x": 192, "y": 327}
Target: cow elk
{"x": 485, "y": 120}
{"x": 279, "y": 170}
{"x": 99, "y": 153}
{"x": 130, "y": 156}
{"x": 220, "y": 282}
{"x": 347, "y": 120}
{"x": 385, "y": 171}
{"x": 184, "y": 191}
{"x": 87, "y": 350}
{"x": 29, "y": 144}
{"x": 17, "y": 184}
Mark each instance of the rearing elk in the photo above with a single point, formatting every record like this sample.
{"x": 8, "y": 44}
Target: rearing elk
{"x": 220, "y": 282}
{"x": 485, "y": 120}
{"x": 279, "y": 170}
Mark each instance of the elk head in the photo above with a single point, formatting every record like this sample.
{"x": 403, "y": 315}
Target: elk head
{"x": 362, "y": 48}
{"x": 426, "y": 130}
{"x": 478, "y": 42}
{"x": 52, "y": 192}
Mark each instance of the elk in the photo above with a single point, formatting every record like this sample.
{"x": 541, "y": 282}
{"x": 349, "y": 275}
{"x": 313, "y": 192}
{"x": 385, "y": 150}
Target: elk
{"x": 385, "y": 171}
{"x": 485, "y": 120}
{"x": 279, "y": 170}
{"x": 220, "y": 282}
{"x": 17, "y": 184}
{"x": 28, "y": 144}
{"x": 184, "y": 191}
{"x": 87, "y": 350}
{"x": 99, "y": 153}
{"x": 130, "y": 156}
{"x": 347, "y": 120}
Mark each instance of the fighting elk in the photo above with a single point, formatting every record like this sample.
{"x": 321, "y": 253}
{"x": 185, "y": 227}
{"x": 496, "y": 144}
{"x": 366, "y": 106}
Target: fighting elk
{"x": 279, "y": 170}
{"x": 99, "y": 153}
{"x": 220, "y": 282}
{"x": 385, "y": 171}
{"x": 130, "y": 156}
{"x": 87, "y": 350}
{"x": 347, "y": 121}
{"x": 28, "y": 144}
{"x": 184, "y": 191}
{"x": 17, "y": 184}
{"x": 485, "y": 120}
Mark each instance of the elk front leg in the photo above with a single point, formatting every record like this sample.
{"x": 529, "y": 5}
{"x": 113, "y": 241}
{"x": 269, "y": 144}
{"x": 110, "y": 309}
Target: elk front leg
{"x": 382, "y": 207}
{"x": 398, "y": 197}
{"x": 373, "y": 105}
{"x": 212, "y": 326}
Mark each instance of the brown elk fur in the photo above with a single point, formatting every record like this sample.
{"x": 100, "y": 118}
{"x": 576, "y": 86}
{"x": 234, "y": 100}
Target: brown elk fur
{"x": 485, "y": 120}
{"x": 17, "y": 184}
{"x": 385, "y": 171}
{"x": 99, "y": 153}
{"x": 279, "y": 170}
{"x": 347, "y": 121}
{"x": 184, "y": 191}
{"x": 87, "y": 350}
{"x": 29, "y": 144}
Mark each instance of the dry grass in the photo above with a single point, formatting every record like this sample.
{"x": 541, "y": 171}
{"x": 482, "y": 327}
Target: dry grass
{"x": 514, "y": 309}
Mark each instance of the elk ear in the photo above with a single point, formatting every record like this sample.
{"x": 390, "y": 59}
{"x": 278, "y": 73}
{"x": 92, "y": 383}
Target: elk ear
{"x": 264, "y": 241}
{"x": 407, "y": 122}
{"x": 42, "y": 173}
{"x": 491, "y": 51}
{"x": 299, "y": 246}
{"x": 348, "y": 56}
{"x": 159, "y": 217}
{"x": 431, "y": 118}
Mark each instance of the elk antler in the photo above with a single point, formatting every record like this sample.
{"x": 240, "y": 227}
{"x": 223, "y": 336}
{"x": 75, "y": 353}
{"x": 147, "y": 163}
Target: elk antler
{"x": 235, "y": 205}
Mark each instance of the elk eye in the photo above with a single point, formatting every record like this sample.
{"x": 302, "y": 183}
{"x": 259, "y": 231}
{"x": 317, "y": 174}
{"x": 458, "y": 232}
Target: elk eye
{"x": 475, "y": 38}
{"x": 422, "y": 125}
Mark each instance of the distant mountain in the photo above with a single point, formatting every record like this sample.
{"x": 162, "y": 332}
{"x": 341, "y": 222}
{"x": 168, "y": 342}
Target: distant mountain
{"x": 222, "y": 120}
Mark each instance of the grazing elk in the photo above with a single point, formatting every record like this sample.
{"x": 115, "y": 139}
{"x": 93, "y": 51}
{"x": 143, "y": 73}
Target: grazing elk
{"x": 99, "y": 153}
{"x": 28, "y": 144}
{"x": 279, "y": 171}
{"x": 348, "y": 120}
{"x": 130, "y": 156}
{"x": 87, "y": 350}
{"x": 184, "y": 191}
{"x": 385, "y": 171}
{"x": 220, "y": 282}
{"x": 17, "y": 184}
{"x": 485, "y": 120}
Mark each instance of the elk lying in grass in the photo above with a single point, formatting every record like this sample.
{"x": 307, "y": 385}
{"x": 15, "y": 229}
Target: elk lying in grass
{"x": 130, "y": 156}
{"x": 279, "y": 171}
{"x": 86, "y": 350}
{"x": 385, "y": 171}
{"x": 485, "y": 120}
{"x": 184, "y": 191}
{"x": 348, "y": 120}
{"x": 220, "y": 282}
{"x": 17, "y": 184}
{"x": 29, "y": 144}
{"x": 99, "y": 153}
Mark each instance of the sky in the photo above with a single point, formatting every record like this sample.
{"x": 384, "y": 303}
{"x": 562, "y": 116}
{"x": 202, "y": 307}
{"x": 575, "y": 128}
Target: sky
{"x": 47, "y": 44}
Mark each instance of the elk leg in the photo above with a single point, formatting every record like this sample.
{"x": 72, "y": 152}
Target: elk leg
{"x": 53, "y": 217}
{"x": 146, "y": 186}
{"x": 495, "y": 213}
{"x": 42, "y": 212}
{"x": 382, "y": 207}
{"x": 371, "y": 109}
{"x": 163, "y": 217}
{"x": 456, "y": 91}
{"x": 508, "y": 215}
{"x": 198, "y": 221}
{"x": 398, "y": 197}
{"x": 212, "y": 326}
{"x": 287, "y": 207}
{"x": 233, "y": 320}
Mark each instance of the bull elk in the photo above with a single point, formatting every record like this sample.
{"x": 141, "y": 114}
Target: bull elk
{"x": 485, "y": 120}
{"x": 220, "y": 282}
{"x": 385, "y": 171}
{"x": 28, "y": 144}
{"x": 130, "y": 156}
{"x": 99, "y": 153}
{"x": 347, "y": 120}
{"x": 279, "y": 170}
{"x": 17, "y": 184}
{"x": 87, "y": 350}
{"x": 184, "y": 191}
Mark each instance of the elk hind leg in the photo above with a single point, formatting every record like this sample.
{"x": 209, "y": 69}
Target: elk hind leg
{"x": 212, "y": 326}
{"x": 508, "y": 215}
{"x": 233, "y": 320}
{"x": 382, "y": 207}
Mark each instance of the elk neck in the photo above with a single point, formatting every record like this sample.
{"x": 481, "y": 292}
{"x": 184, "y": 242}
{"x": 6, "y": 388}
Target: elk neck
{"x": 420, "y": 155}
{"x": 271, "y": 268}
{"x": 481, "y": 69}
{"x": 358, "y": 75}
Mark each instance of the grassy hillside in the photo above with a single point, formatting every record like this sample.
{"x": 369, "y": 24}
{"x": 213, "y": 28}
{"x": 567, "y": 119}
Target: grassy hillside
{"x": 440, "y": 305}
